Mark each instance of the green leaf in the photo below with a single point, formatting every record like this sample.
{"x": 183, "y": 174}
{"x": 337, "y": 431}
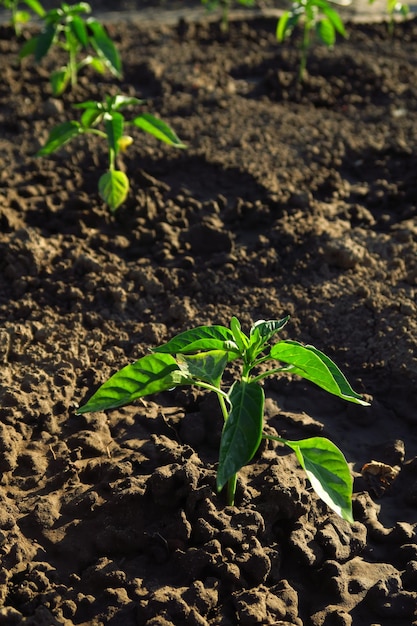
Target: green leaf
{"x": 283, "y": 26}
{"x": 28, "y": 48}
{"x": 59, "y": 136}
{"x": 102, "y": 43}
{"x": 333, "y": 16}
{"x": 201, "y": 338}
{"x": 79, "y": 30}
{"x": 113, "y": 187}
{"x": 159, "y": 129}
{"x": 90, "y": 117}
{"x": 288, "y": 21}
{"x": 44, "y": 41}
{"x": 205, "y": 366}
{"x": 79, "y": 7}
{"x": 36, "y": 7}
{"x": 241, "y": 340}
{"x": 21, "y": 17}
{"x": 327, "y": 471}
{"x": 120, "y": 102}
{"x": 97, "y": 64}
{"x": 89, "y": 104}
{"x": 113, "y": 124}
{"x": 264, "y": 330}
{"x": 59, "y": 80}
{"x": 325, "y": 32}
{"x": 261, "y": 333}
{"x": 310, "y": 363}
{"x": 242, "y": 432}
{"x": 151, "y": 374}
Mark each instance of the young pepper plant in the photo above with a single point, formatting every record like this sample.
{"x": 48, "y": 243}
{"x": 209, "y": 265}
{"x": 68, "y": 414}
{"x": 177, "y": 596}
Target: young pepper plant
{"x": 199, "y": 357}
{"x": 114, "y": 185}
{"x": 225, "y": 5}
{"x": 67, "y": 28}
{"x": 318, "y": 18}
{"x": 394, "y": 7}
{"x": 22, "y": 16}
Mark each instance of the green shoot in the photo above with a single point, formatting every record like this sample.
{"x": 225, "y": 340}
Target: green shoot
{"x": 225, "y": 6}
{"x": 22, "y": 16}
{"x": 394, "y": 7}
{"x": 114, "y": 185}
{"x": 318, "y": 19}
{"x": 200, "y": 356}
{"x": 67, "y": 28}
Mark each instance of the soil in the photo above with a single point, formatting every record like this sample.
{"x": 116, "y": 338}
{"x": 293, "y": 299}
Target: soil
{"x": 290, "y": 199}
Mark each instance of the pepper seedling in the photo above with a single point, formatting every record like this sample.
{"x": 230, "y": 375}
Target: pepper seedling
{"x": 68, "y": 29}
{"x": 113, "y": 186}
{"x": 22, "y": 16}
{"x": 394, "y": 7}
{"x": 199, "y": 357}
{"x": 224, "y": 6}
{"x": 318, "y": 19}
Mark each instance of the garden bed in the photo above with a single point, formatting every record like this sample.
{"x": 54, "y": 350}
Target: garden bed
{"x": 290, "y": 199}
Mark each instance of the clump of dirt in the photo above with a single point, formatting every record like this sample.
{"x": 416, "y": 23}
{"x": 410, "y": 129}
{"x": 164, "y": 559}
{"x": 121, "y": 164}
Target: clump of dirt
{"x": 290, "y": 199}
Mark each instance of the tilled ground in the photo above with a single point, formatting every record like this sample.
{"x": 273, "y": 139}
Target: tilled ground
{"x": 290, "y": 199}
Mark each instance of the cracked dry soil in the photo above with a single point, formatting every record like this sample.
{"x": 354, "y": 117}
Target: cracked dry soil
{"x": 299, "y": 201}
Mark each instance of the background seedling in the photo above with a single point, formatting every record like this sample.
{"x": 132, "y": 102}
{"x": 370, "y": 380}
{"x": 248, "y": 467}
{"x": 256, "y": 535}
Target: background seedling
{"x": 113, "y": 186}
{"x": 318, "y": 18}
{"x": 224, "y": 6}
{"x": 67, "y": 28}
{"x": 22, "y": 16}
{"x": 200, "y": 356}
{"x": 394, "y": 7}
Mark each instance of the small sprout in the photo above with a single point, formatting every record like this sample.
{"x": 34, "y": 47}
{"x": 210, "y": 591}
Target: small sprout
{"x": 114, "y": 185}
{"x": 200, "y": 356}
{"x": 394, "y": 7}
{"x": 318, "y": 19}
{"x": 68, "y": 29}
{"x": 22, "y": 16}
{"x": 225, "y": 6}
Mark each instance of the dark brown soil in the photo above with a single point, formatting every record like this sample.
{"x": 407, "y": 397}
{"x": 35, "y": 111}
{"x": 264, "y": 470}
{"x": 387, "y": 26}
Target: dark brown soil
{"x": 289, "y": 200}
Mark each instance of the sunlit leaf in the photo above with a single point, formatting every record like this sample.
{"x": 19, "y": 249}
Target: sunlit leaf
{"x": 36, "y": 7}
{"x": 263, "y": 331}
{"x": 327, "y": 471}
{"x": 150, "y": 374}
{"x": 283, "y": 26}
{"x": 206, "y": 366}
{"x": 241, "y": 340}
{"x": 214, "y": 337}
{"x": 105, "y": 46}
{"x": 60, "y": 135}
{"x": 159, "y": 129}
{"x": 113, "y": 187}
{"x": 310, "y": 363}
{"x": 120, "y": 102}
{"x": 59, "y": 80}
{"x": 326, "y": 32}
{"x": 332, "y": 15}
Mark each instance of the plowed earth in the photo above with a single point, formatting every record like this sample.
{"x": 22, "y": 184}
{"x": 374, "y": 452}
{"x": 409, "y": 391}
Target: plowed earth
{"x": 297, "y": 200}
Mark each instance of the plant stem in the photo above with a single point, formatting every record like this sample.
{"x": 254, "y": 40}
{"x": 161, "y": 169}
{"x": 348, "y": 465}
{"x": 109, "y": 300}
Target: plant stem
{"x": 112, "y": 159}
{"x": 276, "y": 370}
{"x": 304, "y": 48}
{"x": 231, "y": 490}
{"x": 73, "y": 66}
